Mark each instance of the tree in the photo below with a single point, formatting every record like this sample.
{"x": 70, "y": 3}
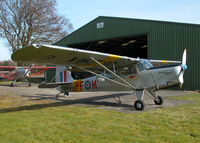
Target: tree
{"x": 25, "y": 22}
{"x": 7, "y": 63}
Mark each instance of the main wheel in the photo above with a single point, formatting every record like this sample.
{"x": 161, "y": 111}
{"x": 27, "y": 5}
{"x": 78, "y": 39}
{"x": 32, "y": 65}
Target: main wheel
{"x": 139, "y": 105}
{"x": 66, "y": 94}
{"x": 159, "y": 101}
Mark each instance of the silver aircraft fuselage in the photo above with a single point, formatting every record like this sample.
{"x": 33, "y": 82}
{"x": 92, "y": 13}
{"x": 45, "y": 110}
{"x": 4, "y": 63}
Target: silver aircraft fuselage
{"x": 146, "y": 76}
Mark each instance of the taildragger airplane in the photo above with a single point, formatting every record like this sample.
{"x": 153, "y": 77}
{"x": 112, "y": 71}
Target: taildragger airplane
{"x": 19, "y": 73}
{"x": 109, "y": 72}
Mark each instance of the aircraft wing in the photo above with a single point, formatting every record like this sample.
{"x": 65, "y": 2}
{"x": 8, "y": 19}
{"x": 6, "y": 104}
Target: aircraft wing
{"x": 71, "y": 57}
{"x": 42, "y": 67}
{"x": 7, "y": 68}
{"x": 162, "y": 62}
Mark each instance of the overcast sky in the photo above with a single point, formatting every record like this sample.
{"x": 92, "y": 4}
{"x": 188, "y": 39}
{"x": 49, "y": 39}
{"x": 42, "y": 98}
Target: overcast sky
{"x": 81, "y": 12}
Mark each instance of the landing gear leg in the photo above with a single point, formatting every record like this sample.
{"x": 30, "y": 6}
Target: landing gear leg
{"x": 158, "y": 100}
{"x": 29, "y": 83}
{"x": 13, "y": 83}
{"x": 58, "y": 95}
{"x": 139, "y": 104}
{"x": 118, "y": 99}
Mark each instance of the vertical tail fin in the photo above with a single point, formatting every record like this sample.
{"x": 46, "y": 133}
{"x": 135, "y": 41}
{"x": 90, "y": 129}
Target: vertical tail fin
{"x": 63, "y": 75}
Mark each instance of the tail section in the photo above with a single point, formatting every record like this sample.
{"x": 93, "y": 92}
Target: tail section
{"x": 63, "y": 75}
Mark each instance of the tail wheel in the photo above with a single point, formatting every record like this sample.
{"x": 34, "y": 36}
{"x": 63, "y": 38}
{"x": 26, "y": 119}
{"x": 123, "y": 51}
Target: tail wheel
{"x": 159, "y": 101}
{"x": 139, "y": 105}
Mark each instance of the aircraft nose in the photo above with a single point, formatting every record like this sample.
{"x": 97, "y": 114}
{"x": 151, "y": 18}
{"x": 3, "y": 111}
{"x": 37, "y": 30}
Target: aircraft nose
{"x": 184, "y": 67}
{"x": 182, "y": 70}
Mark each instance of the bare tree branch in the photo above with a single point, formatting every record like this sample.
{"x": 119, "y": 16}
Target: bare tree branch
{"x": 25, "y": 22}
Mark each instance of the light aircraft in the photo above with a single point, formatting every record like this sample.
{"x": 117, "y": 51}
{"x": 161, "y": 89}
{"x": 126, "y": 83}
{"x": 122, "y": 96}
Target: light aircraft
{"x": 19, "y": 73}
{"x": 111, "y": 72}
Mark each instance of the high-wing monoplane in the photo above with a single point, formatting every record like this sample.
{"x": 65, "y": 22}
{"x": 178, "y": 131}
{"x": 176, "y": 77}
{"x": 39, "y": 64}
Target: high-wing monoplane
{"x": 18, "y": 73}
{"x": 110, "y": 72}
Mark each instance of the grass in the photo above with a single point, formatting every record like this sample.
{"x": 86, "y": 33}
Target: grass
{"x": 58, "y": 123}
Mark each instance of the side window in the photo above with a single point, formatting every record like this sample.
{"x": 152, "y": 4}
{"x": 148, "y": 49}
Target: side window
{"x": 131, "y": 69}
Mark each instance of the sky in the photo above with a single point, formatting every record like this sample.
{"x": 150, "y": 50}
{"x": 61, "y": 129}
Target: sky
{"x": 80, "y": 12}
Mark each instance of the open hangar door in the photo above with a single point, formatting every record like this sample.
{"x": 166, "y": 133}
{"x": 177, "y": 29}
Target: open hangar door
{"x": 132, "y": 46}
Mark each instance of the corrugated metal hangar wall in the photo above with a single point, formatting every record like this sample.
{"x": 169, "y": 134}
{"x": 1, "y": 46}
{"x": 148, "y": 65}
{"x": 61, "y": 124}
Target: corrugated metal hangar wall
{"x": 142, "y": 38}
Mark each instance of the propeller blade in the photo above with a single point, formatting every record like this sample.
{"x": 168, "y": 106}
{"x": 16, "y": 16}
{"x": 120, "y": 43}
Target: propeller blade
{"x": 183, "y": 68}
{"x": 181, "y": 80}
{"x": 184, "y": 57}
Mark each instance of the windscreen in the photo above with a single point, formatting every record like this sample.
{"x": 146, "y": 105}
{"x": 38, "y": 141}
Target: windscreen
{"x": 144, "y": 65}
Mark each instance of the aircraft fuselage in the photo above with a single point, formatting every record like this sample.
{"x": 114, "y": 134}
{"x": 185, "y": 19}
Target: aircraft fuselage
{"x": 156, "y": 78}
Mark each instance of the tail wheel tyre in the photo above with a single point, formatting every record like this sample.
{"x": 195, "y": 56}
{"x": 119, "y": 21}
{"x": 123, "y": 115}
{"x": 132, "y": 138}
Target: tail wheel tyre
{"x": 159, "y": 101}
{"x": 139, "y": 105}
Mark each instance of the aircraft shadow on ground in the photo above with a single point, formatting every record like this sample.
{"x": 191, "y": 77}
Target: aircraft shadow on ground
{"x": 15, "y": 85}
{"x": 86, "y": 101}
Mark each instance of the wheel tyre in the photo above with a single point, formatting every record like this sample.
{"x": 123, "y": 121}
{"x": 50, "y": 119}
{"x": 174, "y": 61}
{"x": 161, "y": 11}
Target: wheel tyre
{"x": 139, "y": 105}
{"x": 160, "y": 102}
{"x": 66, "y": 94}
{"x": 11, "y": 85}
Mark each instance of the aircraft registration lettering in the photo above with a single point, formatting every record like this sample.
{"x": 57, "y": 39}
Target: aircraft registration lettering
{"x": 78, "y": 85}
{"x": 94, "y": 84}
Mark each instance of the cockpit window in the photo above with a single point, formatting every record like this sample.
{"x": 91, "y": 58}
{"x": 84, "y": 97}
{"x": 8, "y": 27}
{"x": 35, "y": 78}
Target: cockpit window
{"x": 144, "y": 65}
{"x": 126, "y": 70}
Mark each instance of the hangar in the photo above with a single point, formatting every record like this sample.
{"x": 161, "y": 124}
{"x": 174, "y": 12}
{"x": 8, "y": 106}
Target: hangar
{"x": 141, "y": 38}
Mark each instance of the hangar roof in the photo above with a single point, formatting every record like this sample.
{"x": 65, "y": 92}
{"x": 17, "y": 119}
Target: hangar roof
{"x": 104, "y": 27}
{"x": 109, "y": 34}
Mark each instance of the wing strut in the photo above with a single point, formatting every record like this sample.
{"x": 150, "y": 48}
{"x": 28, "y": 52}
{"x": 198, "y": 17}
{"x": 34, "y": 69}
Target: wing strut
{"x": 127, "y": 83}
{"x": 104, "y": 77}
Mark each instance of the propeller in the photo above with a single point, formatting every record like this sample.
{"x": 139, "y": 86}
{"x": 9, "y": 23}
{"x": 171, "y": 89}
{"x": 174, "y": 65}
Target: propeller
{"x": 184, "y": 57}
{"x": 28, "y": 70}
{"x": 183, "y": 68}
